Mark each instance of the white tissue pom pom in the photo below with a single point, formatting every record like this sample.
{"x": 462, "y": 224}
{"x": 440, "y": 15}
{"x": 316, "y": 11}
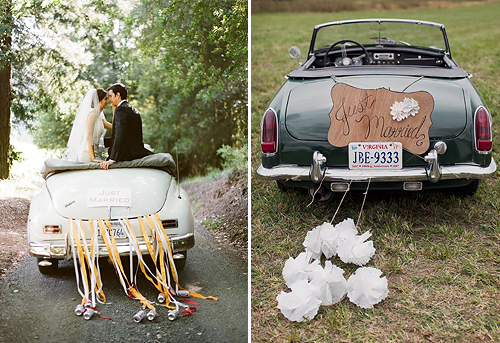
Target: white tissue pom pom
{"x": 346, "y": 229}
{"x": 299, "y": 268}
{"x": 331, "y": 283}
{"x": 321, "y": 239}
{"x": 301, "y": 303}
{"x": 366, "y": 288}
{"x": 355, "y": 250}
{"x": 312, "y": 242}
{"x": 328, "y": 236}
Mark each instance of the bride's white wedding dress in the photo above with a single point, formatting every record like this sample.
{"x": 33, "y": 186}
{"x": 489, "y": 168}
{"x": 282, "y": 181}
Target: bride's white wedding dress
{"x": 78, "y": 148}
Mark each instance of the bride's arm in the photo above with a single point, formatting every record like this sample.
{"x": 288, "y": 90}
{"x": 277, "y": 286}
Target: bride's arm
{"x": 90, "y": 136}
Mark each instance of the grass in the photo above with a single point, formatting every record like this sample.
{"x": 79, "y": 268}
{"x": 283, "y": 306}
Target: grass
{"x": 266, "y": 6}
{"x": 213, "y": 224}
{"x": 440, "y": 252}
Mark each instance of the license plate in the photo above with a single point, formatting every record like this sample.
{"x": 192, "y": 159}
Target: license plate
{"x": 382, "y": 155}
{"x": 117, "y": 229}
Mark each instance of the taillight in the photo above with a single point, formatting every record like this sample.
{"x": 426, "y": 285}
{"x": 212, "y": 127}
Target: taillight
{"x": 269, "y": 129}
{"x": 52, "y": 229}
{"x": 482, "y": 122}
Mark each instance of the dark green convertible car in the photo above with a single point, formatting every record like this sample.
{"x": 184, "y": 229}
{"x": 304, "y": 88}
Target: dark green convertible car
{"x": 378, "y": 102}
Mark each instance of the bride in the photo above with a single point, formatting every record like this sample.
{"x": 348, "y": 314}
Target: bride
{"x": 88, "y": 128}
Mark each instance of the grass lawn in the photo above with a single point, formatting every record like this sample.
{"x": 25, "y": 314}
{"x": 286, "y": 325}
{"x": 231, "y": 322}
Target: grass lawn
{"x": 440, "y": 252}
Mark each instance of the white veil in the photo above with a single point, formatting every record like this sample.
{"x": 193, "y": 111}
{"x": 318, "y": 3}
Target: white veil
{"x": 76, "y": 139}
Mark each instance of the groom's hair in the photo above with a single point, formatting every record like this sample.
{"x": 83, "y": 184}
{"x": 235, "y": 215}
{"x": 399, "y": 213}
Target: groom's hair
{"x": 119, "y": 88}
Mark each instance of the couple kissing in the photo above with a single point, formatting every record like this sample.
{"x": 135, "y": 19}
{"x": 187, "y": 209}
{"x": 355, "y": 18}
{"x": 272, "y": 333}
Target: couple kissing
{"x": 86, "y": 141}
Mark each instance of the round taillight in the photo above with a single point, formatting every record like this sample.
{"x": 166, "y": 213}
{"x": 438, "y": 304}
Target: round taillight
{"x": 269, "y": 131}
{"x": 482, "y": 123}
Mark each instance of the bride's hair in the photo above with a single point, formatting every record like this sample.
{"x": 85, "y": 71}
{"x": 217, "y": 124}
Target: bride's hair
{"x": 101, "y": 93}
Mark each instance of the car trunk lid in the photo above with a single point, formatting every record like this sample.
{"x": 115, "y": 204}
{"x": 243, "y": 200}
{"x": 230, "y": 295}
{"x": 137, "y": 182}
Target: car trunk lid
{"x": 310, "y": 102}
{"x": 105, "y": 194}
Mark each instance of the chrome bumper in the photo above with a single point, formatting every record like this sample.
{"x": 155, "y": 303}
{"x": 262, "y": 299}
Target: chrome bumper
{"x": 62, "y": 249}
{"x": 302, "y": 173}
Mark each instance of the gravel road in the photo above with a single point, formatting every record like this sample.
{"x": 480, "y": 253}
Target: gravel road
{"x": 35, "y": 307}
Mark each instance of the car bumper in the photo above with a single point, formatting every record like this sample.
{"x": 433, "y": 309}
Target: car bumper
{"x": 62, "y": 249}
{"x": 302, "y": 173}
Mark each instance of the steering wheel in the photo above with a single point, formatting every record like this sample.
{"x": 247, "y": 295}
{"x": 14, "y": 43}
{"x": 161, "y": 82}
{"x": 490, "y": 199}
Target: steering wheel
{"x": 346, "y": 60}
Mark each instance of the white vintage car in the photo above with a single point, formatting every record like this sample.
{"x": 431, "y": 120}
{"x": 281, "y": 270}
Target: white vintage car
{"x": 82, "y": 193}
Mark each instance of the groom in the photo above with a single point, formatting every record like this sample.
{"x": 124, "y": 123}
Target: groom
{"x": 126, "y": 137}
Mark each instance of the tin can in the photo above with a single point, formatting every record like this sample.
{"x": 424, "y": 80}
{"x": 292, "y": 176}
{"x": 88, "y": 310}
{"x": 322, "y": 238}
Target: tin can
{"x": 151, "y": 315}
{"x": 88, "y": 313}
{"x": 161, "y": 298}
{"x": 183, "y": 293}
{"x": 173, "y": 314}
{"x": 79, "y": 310}
{"x": 139, "y": 316}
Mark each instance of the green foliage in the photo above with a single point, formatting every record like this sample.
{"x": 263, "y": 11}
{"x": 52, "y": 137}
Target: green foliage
{"x": 184, "y": 63}
{"x": 190, "y": 67}
{"x": 234, "y": 158}
{"x": 14, "y": 155}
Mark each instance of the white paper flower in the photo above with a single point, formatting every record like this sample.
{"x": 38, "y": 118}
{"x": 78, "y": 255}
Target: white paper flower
{"x": 326, "y": 238}
{"x": 366, "y": 288}
{"x": 410, "y": 106}
{"x": 331, "y": 283}
{"x": 402, "y": 110}
{"x": 312, "y": 242}
{"x": 346, "y": 229}
{"x": 397, "y": 111}
{"x": 355, "y": 250}
{"x": 321, "y": 239}
{"x": 299, "y": 268}
{"x": 301, "y": 303}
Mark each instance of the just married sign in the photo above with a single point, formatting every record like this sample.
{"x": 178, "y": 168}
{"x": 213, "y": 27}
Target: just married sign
{"x": 380, "y": 115}
{"x": 109, "y": 196}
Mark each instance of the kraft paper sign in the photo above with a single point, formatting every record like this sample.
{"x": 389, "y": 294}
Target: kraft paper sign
{"x": 380, "y": 115}
{"x": 109, "y": 196}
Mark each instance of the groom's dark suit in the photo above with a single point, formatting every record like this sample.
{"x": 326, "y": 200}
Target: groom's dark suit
{"x": 126, "y": 137}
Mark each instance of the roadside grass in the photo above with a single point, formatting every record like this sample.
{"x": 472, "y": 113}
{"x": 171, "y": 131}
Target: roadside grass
{"x": 220, "y": 198}
{"x": 439, "y": 251}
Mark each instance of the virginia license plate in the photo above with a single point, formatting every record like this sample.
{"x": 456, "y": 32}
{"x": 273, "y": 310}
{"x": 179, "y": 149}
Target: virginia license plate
{"x": 382, "y": 155}
{"x": 117, "y": 229}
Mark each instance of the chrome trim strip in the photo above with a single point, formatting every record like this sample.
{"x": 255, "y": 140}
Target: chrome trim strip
{"x": 59, "y": 250}
{"x": 301, "y": 173}
{"x": 376, "y": 20}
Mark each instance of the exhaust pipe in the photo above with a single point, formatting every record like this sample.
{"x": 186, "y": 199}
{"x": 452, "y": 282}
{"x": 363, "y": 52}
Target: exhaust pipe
{"x": 320, "y": 194}
{"x": 45, "y": 263}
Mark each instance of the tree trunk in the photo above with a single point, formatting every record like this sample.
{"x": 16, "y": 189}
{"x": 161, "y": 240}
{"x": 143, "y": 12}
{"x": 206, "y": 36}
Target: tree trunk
{"x": 5, "y": 85}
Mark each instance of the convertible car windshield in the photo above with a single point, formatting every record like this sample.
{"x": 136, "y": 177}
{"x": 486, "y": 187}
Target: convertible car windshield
{"x": 381, "y": 33}
{"x": 366, "y": 46}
